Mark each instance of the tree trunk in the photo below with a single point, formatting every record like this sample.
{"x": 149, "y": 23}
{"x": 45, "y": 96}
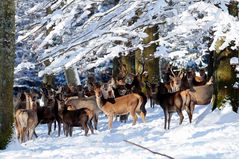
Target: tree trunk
{"x": 72, "y": 76}
{"x": 7, "y": 55}
{"x": 152, "y": 63}
{"x": 232, "y": 8}
{"x": 123, "y": 65}
{"x": 225, "y": 77}
{"x": 49, "y": 80}
{"x": 146, "y": 59}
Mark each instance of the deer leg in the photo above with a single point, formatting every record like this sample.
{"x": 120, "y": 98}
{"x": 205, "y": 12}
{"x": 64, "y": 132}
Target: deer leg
{"x": 66, "y": 129}
{"x": 165, "y": 111}
{"x": 143, "y": 117}
{"x": 70, "y": 130}
{"x": 59, "y": 127}
{"x": 31, "y": 132}
{"x": 89, "y": 123}
{"x": 151, "y": 102}
{"x": 21, "y": 135}
{"x": 18, "y": 129}
{"x": 192, "y": 105}
{"x": 169, "y": 119}
{"x": 54, "y": 125}
{"x": 49, "y": 127}
{"x": 110, "y": 120}
{"x": 95, "y": 119}
{"x": 134, "y": 116}
{"x": 180, "y": 114}
{"x": 187, "y": 107}
{"x": 85, "y": 128}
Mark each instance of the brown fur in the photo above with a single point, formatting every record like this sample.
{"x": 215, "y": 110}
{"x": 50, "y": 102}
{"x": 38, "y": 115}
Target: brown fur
{"x": 72, "y": 118}
{"x": 123, "y": 105}
{"x": 201, "y": 95}
{"x": 26, "y": 120}
{"x": 171, "y": 103}
{"x": 86, "y": 102}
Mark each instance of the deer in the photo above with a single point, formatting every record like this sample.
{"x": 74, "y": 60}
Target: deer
{"x": 121, "y": 88}
{"x": 194, "y": 80}
{"x": 48, "y": 112}
{"x": 26, "y": 119}
{"x": 170, "y": 102}
{"x": 173, "y": 85}
{"x": 130, "y": 103}
{"x": 167, "y": 95}
{"x": 85, "y": 102}
{"x": 118, "y": 88}
{"x": 198, "y": 95}
{"x": 71, "y": 118}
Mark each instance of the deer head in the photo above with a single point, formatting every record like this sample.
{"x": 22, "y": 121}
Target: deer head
{"x": 175, "y": 81}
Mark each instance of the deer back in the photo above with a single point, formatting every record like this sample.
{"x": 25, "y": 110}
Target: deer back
{"x": 86, "y": 102}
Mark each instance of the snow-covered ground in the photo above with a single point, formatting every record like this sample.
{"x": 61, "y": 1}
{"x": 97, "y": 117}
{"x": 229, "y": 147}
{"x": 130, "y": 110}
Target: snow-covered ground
{"x": 211, "y": 135}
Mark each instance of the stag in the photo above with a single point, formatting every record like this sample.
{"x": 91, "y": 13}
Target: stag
{"x": 130, "y": 103}
{"x": 170, "y": 102}
{"x": 167, "y": 95}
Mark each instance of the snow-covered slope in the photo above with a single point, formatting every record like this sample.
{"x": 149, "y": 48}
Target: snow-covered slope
{"x": 205, "y": 138}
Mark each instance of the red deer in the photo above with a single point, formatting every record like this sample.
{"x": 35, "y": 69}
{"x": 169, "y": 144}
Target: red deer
{"x": 26, "y": 119}
{"x": 123, "y": 87}
{"x": 167, "y": 95}
{"x": 170, "y": 103}
{"x": 130, "y": 103}
{"x": 200, "y": 95}
{"x": 119, "y": 89}
{"x": 173, "y": 85}
{"x": 49, "y": 114}
{"x": 194, "y": 80}
{"x": 85, "y": 102}
{"x": 72, "y": 118}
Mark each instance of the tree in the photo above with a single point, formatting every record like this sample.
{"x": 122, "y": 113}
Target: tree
{"x": 224, "y": 73}
{"x": 7, "y": 53}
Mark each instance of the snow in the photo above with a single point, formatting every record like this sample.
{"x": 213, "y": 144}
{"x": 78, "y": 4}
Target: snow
{"x": 80, "y": 28}
{"x": 234, "y": 61}
{"x": 210, "y": 135}
{"x": 100, "y": 31}
{"x": 24, "y": 65}
{"x": 90, "y": 37}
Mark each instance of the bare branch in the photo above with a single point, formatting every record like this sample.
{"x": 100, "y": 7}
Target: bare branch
{"x": 154, "y": 152}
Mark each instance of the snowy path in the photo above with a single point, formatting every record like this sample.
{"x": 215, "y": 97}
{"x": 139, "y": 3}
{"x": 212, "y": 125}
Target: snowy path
{"x": 211, "y": 135}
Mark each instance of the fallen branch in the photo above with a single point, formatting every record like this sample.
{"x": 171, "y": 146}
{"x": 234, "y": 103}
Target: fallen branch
{"x": 157, "y": 153}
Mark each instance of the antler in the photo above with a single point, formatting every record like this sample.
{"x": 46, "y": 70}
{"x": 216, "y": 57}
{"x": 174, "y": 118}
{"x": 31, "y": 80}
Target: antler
{"x": 172, "y": 71}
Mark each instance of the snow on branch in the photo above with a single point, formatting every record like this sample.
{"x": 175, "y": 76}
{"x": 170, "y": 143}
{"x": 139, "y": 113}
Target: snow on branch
{"x": 106, "y": 34}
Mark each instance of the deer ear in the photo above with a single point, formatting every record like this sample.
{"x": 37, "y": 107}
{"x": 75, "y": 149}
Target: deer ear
{"x": 181, "y": 75}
